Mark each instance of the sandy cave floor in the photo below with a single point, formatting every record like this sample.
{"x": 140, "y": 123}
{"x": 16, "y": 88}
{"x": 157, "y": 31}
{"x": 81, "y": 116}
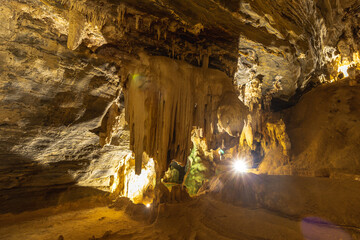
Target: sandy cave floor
{"x": 202, "y": 218}
{"x": 75, "y": 224}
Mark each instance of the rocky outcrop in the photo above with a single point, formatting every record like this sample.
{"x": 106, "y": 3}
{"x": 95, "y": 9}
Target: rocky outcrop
{"x": 285, "y": 44}
{"x": 324, "y": 132}
{"x": 51, "y": 97}
{"x": 60, "y": 99}
{"x": 311, "y": 30}
{"x": 83, "y": 84}
{"x": 296, "y": 197}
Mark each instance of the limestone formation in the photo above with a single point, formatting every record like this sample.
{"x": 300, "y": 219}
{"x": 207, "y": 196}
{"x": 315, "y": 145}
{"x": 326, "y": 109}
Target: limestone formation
{"x": 166, "y": 99}
{"x": 153, "y": 105}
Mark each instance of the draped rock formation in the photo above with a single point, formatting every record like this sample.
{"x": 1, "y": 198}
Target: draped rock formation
{"x": 166, "y": 99}
{"x": 99, "y": 97}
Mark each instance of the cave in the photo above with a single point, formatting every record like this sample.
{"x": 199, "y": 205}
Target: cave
{"x": 179, "y": 119}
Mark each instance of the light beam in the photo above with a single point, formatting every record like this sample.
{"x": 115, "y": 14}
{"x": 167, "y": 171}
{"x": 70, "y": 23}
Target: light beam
{"x": 240, "y": 166}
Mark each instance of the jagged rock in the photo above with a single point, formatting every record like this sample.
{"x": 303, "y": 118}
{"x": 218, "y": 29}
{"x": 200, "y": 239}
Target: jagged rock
{"x": 98, "y": 96}
{"x": 276, "y": 146}
{"x": 76, "y": 27}
{"x": 165, "y": 99}
{"x": 51, "y": 98}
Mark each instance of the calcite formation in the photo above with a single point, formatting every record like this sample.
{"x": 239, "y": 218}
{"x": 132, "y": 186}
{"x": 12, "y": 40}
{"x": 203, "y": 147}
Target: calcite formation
{"x": 166, "y": 99}
{"x": 86, "y": 84}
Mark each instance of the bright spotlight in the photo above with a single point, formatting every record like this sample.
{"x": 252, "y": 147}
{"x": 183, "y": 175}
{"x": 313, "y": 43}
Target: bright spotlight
{"x": 240, "y": 166}
{"x": 148, "y": 205}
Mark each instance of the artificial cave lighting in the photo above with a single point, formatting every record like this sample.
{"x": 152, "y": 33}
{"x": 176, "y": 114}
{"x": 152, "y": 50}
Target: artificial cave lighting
{"x": 135, "y": 185}
{"x": 192, "y": 119}
{"x": 345, "y": 64}
{"x": 240, "y": 166}
{"x": 125, "y": 161}
{"x": 116, "y": 183}
{"x": 344, "y": 69}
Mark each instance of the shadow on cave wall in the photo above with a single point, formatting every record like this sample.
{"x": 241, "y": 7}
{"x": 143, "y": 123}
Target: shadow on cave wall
{"x": 26, "y": 185}
{"x": 52, "y": 125}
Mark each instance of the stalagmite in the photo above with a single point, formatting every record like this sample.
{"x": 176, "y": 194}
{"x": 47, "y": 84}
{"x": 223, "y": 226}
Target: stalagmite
{"x": 247, "y": 133}
{"x": 179, "y": 119}
{"x": 205, "y": 61}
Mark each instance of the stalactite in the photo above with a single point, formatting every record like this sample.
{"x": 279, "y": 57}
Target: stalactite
{"x": 76, "y": 27}
{"x": 137, "y": 22}
{"x": 173, "y": 48}
{"x": 121, "y": 14}
{"x": 165, "y": 99}
{"x": 158, "y": 32}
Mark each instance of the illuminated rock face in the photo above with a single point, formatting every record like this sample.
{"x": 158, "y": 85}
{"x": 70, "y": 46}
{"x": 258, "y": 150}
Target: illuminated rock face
{"x": 50, "y": 97}
{"x": 324, "y": 131}
{"x": 166, "y": 99}
{"x": 85, "y": 84}
{"x": 56, "y": 103}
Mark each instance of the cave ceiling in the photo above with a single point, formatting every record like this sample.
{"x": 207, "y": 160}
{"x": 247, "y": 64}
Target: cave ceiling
{"x": 63, "y": 64}
{"x": 277, "y": 41}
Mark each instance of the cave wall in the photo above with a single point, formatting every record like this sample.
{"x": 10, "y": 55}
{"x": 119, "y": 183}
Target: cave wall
{"x": 63, "y": 128}
{"x": 311, "y": 30}
{"x": 85, "y": 83}
{"x": 324, "y": 132}
{"x": 51, "y": 97}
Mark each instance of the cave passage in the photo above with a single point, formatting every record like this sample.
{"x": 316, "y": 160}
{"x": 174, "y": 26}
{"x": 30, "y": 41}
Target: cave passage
{"x": 179, "y": 119}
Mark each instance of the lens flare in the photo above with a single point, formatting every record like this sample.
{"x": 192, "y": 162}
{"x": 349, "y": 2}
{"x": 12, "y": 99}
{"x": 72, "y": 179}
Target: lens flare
{"x": 240, "y": 166}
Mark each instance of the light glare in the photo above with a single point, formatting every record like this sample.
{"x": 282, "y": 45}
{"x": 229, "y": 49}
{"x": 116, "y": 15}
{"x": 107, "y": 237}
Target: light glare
{"x": 137, "y": 184}
{"x": 345, "y": 64}
{"x": 134, "y": 185}
{"x": 240, "y": 166}
{"x": 344, "y": 69}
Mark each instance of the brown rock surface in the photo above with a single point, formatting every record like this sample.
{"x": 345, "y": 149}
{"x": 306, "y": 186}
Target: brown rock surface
{"x": 94, "y": 91}
{"x": 50, "y": 98}
{"x": 324, "y": 131}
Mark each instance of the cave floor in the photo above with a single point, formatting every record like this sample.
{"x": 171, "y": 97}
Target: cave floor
{"x": 201, "y": 218}
{"x": 74, "y": 224}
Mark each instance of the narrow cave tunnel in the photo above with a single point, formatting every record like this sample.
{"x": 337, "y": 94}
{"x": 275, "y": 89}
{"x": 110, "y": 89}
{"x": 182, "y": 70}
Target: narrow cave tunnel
{"x": 179, "y": 119}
